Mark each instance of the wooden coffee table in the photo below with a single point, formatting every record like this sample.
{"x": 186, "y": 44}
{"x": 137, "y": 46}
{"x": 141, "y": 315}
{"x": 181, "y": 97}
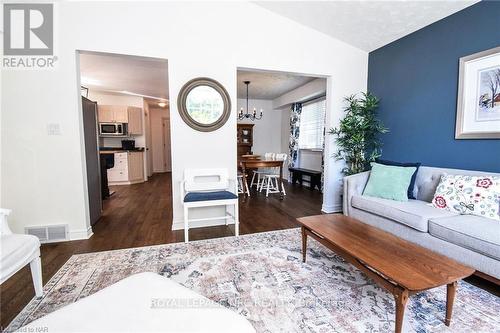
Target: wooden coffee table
{"x": 401, "y": 267}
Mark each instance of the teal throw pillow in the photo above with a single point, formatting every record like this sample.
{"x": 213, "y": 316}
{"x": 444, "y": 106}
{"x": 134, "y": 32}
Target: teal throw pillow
{"x": 389, "y": 182}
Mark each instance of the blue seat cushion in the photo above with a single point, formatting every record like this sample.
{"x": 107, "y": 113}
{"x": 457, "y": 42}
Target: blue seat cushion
{"x": 206, "y": 196}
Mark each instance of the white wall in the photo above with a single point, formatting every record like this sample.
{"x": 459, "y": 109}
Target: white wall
{"x": 158, "y": 152}
{"x": 43, "y": 177}
{"x": 267, "y": 131}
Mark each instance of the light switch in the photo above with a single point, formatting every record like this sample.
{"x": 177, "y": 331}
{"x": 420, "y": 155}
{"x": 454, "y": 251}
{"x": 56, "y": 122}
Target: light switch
{"x": 53, "y": 129}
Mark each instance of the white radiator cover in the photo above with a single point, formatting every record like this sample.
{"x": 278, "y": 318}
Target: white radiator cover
{"x": 49, "y": 233}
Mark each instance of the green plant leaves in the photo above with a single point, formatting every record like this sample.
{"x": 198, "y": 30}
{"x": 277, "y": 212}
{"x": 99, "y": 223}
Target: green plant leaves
{"x": 357, "y": 135}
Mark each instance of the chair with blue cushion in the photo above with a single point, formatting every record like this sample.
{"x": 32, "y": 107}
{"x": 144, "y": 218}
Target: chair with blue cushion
{"x": 208, "y": 188}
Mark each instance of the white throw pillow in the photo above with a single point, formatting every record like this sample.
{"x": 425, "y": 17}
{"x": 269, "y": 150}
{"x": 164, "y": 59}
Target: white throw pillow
{"x": 476, "y": 195}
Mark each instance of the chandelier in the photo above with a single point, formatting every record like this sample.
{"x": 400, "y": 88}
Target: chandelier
{"x": 245, "y": 114}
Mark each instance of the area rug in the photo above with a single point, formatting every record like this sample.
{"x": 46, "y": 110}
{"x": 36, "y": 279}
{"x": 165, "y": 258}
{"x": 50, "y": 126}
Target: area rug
{"x": 262, "y": 277}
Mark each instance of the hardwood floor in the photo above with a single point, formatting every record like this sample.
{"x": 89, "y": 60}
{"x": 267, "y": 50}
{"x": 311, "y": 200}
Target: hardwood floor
{"x": 141, "y": 215}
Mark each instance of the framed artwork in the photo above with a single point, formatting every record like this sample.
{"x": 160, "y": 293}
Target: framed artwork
{"x": 478, "y": 101}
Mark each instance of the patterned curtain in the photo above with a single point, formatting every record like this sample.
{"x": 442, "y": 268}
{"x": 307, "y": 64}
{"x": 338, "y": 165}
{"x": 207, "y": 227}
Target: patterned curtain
{"x": 293, "y": 144}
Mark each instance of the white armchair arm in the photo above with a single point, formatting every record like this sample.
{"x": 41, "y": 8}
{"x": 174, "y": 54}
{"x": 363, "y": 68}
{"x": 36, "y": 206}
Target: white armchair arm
{"x": 4, "y": 226}
{"x": 18, "y": 250}
{"x": 353, "y": 185}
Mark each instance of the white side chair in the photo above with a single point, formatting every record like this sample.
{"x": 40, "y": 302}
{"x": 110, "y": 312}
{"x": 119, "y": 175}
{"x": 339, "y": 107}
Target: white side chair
{"x": 242, "y": 186}
{"x": 270, "y": 181}
{"x": 17, "y": 251}
{"x": 207, "y": 188}
{"x": 261, "y": 172}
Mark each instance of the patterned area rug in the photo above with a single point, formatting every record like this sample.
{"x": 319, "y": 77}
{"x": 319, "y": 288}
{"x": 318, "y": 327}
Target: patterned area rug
{"x": 262, "y": 277}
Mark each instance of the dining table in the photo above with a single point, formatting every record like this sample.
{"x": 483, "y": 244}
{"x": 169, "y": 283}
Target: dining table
{"x": 246, "y": 163}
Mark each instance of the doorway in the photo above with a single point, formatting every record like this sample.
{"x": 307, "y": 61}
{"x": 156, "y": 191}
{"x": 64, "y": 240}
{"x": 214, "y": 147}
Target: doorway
{"x": 292, "y": 129}
{"x": 126, "y": 194}
{"x": 160, "y": 137}
{"x": 166, "y": 144}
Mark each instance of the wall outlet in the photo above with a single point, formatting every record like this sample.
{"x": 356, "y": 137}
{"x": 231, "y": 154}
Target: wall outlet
{"x": 53, "y": 129}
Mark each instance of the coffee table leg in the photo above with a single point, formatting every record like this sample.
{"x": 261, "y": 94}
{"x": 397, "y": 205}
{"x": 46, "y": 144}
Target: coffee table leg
{"x": 304, "y": 244}
{"x": 401, "y": 297}
{"x": 450, "y": 298}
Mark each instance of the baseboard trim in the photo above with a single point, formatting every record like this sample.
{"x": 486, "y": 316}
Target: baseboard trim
{"x": 331, "y": 208}
{"x": 179, "y": 225}
{"x": 80, "y": 234}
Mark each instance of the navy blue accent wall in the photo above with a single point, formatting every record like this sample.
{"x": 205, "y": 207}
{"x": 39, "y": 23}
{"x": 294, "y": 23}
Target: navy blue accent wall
{"x": 416, "y": 78}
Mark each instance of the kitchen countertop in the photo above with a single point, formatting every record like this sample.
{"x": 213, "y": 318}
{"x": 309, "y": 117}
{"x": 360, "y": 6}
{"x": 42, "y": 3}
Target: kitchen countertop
{"x": 112, "y": 150}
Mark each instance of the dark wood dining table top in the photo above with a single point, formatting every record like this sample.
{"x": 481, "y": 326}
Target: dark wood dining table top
{"x": 247, "y": 164}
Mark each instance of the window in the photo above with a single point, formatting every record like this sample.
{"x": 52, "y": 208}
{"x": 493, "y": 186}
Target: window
{"x": 312, "y": 125}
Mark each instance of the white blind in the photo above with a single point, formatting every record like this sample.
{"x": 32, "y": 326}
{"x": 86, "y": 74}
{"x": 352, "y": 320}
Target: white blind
{"x": 312, "y": 123}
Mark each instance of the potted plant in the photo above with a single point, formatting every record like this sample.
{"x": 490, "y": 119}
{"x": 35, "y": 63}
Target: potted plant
{"x": 357, "y": 136}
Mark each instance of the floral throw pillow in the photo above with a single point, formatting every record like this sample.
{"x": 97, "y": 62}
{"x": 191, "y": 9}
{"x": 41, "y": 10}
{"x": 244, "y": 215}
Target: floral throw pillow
{"x": 469, "y": 195}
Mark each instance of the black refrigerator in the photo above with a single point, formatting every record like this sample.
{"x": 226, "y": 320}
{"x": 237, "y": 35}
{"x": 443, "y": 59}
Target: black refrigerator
{"x": 89, "y": 109}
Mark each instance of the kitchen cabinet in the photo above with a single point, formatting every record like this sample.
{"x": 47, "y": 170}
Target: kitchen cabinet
{"x": 122, "y": 114}
{"x": 128, "y": 168}
{"x": 104, "y": 114}
{"x": 112, "y": 113}
{"x": 134, "y": 120}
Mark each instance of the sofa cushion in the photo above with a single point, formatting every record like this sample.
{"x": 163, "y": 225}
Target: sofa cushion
{"x": 428, "y": 179}
{"x": 413, "y": 213}
{"x": 465, "y": 194}
{"x": 389, "y": 182}
{"x": 413, "y": 177}
{"x": 475, "y": 233}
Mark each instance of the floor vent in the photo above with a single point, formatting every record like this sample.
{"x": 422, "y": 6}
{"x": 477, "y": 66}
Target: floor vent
{"x": 49, "y": 233}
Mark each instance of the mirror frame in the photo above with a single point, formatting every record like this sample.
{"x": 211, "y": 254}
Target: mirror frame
{"x": 181, "y": 104}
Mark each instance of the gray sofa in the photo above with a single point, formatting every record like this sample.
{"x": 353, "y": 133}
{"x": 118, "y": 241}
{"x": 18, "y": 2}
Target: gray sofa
{"x": 469, "y": 239}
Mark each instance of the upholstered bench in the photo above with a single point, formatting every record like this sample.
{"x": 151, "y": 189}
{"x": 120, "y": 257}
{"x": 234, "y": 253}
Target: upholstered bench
{"x": 145, "y": 302}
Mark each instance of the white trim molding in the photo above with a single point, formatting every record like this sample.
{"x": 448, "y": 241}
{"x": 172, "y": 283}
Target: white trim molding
{"x": 80, "y": 234}
{"x": 337, "y": 208}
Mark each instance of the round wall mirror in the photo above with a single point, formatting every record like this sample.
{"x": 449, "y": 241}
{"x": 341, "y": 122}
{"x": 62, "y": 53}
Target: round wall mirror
{"x": 204, "y": 104}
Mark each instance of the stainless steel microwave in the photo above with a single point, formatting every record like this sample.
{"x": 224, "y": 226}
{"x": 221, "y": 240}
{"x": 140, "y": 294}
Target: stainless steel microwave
{"x": 112, "y": 129}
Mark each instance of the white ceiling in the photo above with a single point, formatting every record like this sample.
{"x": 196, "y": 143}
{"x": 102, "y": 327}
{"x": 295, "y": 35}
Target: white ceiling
{"x": 121, "y": 73}
{"x": 269, "y": 85}
{"x": 367, "y": 24}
